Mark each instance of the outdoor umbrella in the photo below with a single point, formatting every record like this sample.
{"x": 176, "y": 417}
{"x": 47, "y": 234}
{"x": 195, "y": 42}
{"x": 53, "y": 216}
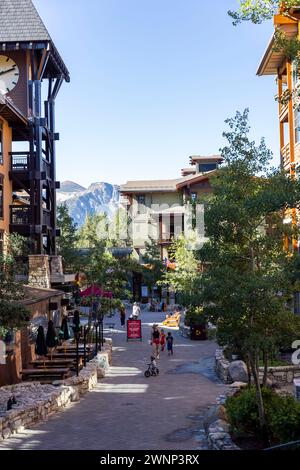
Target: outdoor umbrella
{"x": 51, "y": 338}
{"x": 65, "y": 329}
{"x": 65, "y": 335}
{"x": 40, "y": 344}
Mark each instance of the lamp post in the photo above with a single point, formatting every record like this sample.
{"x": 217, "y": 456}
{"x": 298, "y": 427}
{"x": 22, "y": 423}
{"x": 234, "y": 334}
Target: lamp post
{"x": 77, "y": 333}
{"x": 96, "y": 327}
{"x": 84, "y": 344}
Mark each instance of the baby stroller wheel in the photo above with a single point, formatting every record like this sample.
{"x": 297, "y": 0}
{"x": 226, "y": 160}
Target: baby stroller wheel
{"x": 147, "y": 374}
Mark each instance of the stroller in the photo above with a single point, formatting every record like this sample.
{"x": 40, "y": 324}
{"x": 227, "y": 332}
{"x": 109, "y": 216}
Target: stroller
{"x": 152, "y": 369}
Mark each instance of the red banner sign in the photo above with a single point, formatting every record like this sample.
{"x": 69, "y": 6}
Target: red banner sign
{"x": 134, "y": 329}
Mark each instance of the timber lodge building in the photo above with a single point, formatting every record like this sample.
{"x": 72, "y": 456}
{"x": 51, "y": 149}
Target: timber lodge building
{"x": 30, "y": 68}
{"x": 288, "y": 80}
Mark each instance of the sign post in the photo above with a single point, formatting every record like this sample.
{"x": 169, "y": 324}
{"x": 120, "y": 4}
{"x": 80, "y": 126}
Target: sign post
{"x": 134, "y": 330}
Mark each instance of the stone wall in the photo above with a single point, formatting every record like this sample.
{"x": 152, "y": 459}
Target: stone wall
{"x": 222, "y": 366}
{"x": 217, "y": 425}
{"x": 39, "y": 271}
{"x": 36, "y": 402}
{"x": 278, "y": 376}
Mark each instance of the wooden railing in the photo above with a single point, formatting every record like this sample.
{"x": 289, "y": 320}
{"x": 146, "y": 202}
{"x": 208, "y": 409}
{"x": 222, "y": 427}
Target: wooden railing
{"x": 20, "y": 161}
{"x": 285, "y": 156}
{"x": 19, "y": 215}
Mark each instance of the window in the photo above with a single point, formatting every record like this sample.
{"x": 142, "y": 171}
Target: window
{"x": 1, "y": 143}
{"x": 1, "y": 242}
{"x": 141, "y": 201}
{"x": 204, "y": 167}
{"x": 1, "y": 198}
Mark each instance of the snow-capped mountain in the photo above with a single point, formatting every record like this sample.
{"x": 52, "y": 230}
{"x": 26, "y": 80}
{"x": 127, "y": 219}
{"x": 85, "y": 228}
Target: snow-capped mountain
{"x": 98, "y": 198}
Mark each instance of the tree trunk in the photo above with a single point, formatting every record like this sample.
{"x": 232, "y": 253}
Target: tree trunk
{"x": 266, "y": 363}
{"x": 260, "y": 403}
{"x": 247, "y": 361}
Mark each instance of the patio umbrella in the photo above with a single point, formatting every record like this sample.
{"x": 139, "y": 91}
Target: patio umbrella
{"x": 51, "y": 338}
{"x": 65, "y": 329}
{"x": 65, "y": 335}
{"x": 40, "y": 344}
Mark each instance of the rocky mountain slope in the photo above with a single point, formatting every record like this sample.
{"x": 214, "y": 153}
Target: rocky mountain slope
{"x": 98, "y": 198}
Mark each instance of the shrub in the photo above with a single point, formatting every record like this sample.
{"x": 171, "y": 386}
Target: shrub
{"x": 282, "y": 415}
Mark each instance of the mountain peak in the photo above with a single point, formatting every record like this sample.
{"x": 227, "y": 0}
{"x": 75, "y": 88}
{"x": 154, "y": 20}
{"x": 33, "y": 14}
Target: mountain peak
{"x": 70, "y": 187}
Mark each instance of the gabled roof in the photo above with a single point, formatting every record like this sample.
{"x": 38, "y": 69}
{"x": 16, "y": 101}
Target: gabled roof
{"x": 150, "y": 186}
{"x": 22, "y": 27}
{"x": 194, "y": 179}
{"x": 21, "y": 22}
{"x": 165, "y": 185}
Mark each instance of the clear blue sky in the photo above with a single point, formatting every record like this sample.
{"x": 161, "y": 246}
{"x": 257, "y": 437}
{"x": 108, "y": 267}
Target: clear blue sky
{"x": 152, "y": 82}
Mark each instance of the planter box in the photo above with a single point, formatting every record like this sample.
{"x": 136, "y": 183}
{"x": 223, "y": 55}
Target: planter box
{"x": 198, "y": 332}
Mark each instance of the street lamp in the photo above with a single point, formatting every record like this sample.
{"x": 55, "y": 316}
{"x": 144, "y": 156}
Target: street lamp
{"x": 77, "y": 334}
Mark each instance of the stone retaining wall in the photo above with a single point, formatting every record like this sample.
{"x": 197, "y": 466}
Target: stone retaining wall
{"x": 36, "y": 402}
{"x": 222, "y": 366}
{"x": 217, "y": 426}
{"x": 279, "y": 376}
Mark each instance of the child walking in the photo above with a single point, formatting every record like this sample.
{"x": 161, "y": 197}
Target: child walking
{"x": 162, "y": 340}
{"x": 170, "y": 342}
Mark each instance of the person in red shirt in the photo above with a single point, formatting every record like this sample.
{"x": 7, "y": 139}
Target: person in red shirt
{"x": 162, "y": 340}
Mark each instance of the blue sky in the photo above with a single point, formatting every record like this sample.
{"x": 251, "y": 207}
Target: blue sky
{"x": 152, "y": 82}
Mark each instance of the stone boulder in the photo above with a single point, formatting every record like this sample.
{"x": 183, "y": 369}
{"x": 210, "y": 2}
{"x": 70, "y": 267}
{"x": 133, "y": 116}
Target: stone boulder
{"x": 238, "y": 371}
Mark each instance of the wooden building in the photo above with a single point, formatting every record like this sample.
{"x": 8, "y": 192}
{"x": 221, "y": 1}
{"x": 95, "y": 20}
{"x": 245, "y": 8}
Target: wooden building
{"x": 158, "y": 209}
{"x": 31, "y": 74}
{"x": 287, "y": 74}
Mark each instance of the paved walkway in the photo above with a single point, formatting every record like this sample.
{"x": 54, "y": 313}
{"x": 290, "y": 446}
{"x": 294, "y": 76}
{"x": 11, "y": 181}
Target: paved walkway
{"x": 129, "y": 412}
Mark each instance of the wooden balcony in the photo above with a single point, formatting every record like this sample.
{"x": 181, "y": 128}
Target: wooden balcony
{"x": 19, "y": 161}
{"x": 285, "y": 157}
{"x": 20, "y": 215}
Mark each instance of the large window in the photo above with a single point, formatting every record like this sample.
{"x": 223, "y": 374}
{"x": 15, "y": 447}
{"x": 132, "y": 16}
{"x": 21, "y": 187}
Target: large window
{"x": 204, "y": 167}
{"x": 1, "y": 198}
{"x": 1, "y": 143}
{"x": 295, "y": 73}
{"x": 141, "y": 201}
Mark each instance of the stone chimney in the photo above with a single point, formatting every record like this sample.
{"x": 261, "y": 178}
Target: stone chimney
{"x": 39, "y": 271}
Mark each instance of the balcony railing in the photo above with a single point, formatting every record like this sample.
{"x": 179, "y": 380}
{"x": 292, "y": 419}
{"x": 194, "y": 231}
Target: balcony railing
{"x": 20, "y": 161}
{"x": 285, "y": 156}
{"x": 19, "y": 215}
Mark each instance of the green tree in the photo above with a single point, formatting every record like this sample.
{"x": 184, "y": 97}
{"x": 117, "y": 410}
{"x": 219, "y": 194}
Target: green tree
{"x": 153, "y": 267}
{"x": 12, "y": 313}
{"x": 258, "y": 11}
{"x": 66, "y": 243}
{"x": 185, "y": 278}
{"x": 246, "y": 283}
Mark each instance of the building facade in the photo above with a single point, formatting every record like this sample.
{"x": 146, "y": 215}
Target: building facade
{"x": 31, "y": 74}
{"x": 275, "y": 62}
{"x": 163, "y": 209}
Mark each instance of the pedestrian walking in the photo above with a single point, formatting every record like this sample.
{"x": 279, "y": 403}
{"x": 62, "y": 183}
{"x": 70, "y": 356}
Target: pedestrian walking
{"x": 170, "y": 343}
{"x": 136, "y": 311}
{"x": 155, "y": 340}
{"x": 122, "y": 315}
{"x": 162, "y": 340}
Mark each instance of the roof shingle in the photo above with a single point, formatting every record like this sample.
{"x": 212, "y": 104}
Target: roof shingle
{"x": 20, "y": 22}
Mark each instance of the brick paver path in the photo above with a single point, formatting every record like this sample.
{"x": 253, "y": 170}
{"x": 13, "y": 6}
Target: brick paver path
{"x": 129, "y": 412}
